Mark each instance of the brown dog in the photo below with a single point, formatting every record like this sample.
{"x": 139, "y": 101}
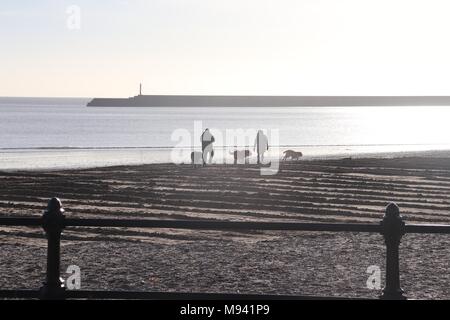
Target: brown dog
{"x": 294, "y": 155}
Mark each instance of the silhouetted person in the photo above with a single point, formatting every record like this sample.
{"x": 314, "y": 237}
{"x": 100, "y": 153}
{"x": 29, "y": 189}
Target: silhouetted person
{"x": 261, "y": 145}
{"x": 207, "y": 140}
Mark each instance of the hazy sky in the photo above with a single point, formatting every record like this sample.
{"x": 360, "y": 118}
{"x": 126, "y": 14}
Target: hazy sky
{"x": 298, "y": 47}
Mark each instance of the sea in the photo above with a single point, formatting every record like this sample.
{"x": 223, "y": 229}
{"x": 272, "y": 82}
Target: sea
{"x": 59, "y": 133}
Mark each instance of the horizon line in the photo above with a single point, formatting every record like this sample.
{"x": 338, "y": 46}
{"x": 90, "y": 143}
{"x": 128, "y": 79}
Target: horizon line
{"x": 231, "y": 95}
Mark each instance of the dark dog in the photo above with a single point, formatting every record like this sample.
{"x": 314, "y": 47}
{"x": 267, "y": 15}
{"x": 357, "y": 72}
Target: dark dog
{"x": 241, "y": 155}
{"x": 197, "y": 157}
{"x": 294, "y": 155}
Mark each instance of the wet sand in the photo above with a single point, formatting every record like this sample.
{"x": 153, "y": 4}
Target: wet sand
{"x": 346, "y": 190}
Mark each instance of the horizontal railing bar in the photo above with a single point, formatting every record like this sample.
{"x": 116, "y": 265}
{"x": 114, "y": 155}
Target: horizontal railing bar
{"x": 223, "y": 225}
{"x": 21, "y": 221}
{"x": 19, "y": 294}
{"x": 427, "y": 228}
{"x": 97, "y": 294}
{"x": 138, "y": 295}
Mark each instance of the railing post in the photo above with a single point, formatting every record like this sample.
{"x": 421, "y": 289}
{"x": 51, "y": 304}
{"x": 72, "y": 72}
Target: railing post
{"x": 53, "y": 224}
{"x": 393, "y": 228}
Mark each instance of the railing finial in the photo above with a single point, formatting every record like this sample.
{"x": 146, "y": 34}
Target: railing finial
{"x": 392, "y": 210}
{"x": 54, "y": 206}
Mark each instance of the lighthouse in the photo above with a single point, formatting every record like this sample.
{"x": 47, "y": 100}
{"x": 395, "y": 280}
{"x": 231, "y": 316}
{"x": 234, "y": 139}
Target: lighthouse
{"x": 140, "y": 89}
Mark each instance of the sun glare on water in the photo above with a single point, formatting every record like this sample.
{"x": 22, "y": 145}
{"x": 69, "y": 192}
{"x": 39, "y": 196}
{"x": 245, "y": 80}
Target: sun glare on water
{"x": 406, "y": 125}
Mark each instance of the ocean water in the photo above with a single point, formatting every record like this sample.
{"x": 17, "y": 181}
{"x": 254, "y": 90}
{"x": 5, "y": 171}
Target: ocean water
{"x": 40, "y": 133}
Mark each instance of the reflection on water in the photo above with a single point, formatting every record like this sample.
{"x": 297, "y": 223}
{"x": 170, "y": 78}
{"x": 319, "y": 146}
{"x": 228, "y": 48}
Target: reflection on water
{"x": 143, "y": 135}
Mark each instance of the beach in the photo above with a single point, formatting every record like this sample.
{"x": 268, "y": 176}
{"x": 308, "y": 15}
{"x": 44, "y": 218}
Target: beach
{"x": 354, "y": 190}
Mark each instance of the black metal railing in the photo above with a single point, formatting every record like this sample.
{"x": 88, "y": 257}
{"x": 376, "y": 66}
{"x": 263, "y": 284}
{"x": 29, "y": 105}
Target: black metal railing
{"x": 53, "y": 221}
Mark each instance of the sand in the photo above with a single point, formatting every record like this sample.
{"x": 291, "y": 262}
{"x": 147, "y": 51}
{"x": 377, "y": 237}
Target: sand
{"x": 332, "y": 264}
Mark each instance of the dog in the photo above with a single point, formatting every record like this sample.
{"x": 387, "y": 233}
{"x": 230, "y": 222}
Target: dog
{"x": 294, "y": 155}
{"x": 197, "y": 157}
{"x": 241, "y": 155}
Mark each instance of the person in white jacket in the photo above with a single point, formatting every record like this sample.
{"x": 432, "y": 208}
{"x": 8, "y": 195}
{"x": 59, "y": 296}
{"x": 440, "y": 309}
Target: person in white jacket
{"x": 261, "y": 145}
{"x": 207, "y": 140}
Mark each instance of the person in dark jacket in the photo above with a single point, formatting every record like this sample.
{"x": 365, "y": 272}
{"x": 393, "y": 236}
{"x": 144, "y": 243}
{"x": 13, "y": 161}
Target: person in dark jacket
{"x": 207, "y": 140}
{"x": 261, "y": 145}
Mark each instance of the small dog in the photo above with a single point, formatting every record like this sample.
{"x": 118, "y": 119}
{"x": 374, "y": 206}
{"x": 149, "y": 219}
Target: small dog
{"x": 294, "y": 155}
{"x": 196, "y": 158}
{"x": 240, "y": 155}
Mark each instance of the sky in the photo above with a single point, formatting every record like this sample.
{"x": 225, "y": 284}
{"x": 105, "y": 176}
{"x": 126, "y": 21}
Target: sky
{"x": 265, "y": 47}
